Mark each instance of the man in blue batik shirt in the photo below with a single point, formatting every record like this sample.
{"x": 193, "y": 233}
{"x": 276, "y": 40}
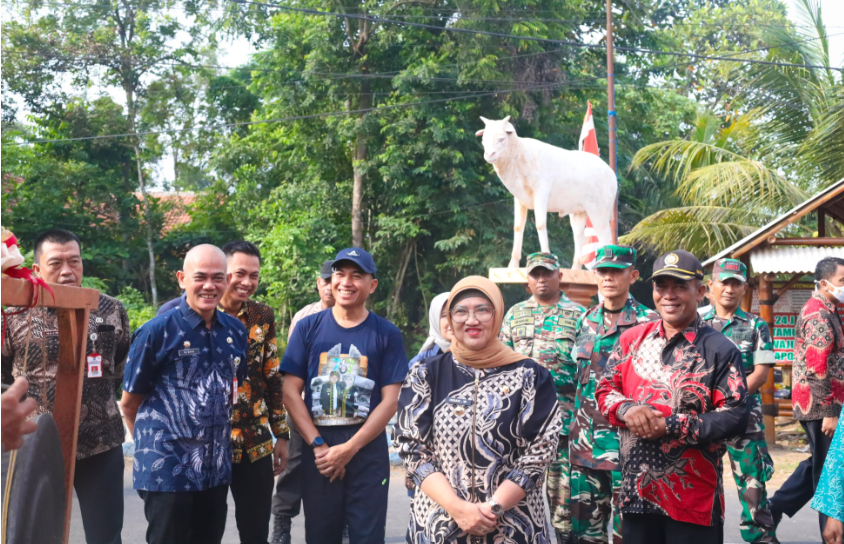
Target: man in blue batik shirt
{"x": 177, "y": 398}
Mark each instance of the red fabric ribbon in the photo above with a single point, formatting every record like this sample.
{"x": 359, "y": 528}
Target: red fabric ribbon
{"x": 23, "y": 273}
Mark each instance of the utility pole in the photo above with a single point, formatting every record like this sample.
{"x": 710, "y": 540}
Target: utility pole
{"x": 612, "y": 127}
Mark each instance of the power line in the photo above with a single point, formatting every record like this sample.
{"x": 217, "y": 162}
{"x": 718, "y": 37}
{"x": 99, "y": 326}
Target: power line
{"x": 290, "y": 118}
{"x": 449, "y": 13}
{"x": 382, "y": 20}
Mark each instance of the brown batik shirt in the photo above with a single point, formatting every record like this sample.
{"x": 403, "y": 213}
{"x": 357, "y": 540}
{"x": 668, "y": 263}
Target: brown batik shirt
{"x": 100, "y": 422}
{"x": 259, "y": 413}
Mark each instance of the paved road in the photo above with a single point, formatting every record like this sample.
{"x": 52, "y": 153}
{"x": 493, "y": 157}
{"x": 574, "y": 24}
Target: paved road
{"x": 802, "y": 529}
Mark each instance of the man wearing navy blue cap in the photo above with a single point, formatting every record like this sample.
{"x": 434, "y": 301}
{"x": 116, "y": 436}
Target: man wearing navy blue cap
{"x": 346, "y": 462}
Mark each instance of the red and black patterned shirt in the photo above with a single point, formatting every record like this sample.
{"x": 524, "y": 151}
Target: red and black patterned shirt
{"x": 696, "y": 380}
{"x": 818, "y": 381}
{"x": 259, "y": 409}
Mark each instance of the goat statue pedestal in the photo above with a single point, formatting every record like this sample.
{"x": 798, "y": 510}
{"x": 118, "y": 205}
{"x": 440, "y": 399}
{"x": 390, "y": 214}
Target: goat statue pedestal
{"x": 579, "y": 285}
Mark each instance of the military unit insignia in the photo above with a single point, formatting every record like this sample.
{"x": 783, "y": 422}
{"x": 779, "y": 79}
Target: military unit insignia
{"x": 671, "y": 259}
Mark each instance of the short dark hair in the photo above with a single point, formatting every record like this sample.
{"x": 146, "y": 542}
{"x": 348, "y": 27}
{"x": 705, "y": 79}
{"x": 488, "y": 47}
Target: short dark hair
{"x": 242, "y": 246}
{"x": 55, "y": 236}
{"x": 826, "y": 267}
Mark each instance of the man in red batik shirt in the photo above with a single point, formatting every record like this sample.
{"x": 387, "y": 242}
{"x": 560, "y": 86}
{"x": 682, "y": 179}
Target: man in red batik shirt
{"x": 818, "y": 385}
{"x": 676, "y": 389}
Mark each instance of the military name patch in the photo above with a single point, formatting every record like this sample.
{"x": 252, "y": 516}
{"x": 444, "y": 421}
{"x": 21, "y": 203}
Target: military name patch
{"x": 461, "y": 402}
{"x": 188, "y": 352}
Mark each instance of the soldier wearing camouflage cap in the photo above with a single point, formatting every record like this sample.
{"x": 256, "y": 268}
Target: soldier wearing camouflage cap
{"x": 594, "y": 447}
{"x": 751, "y": 464}
{"x": 542, "y": 328}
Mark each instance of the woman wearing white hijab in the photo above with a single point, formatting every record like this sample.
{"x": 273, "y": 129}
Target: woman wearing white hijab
{"x": 439, "y": 331}
{"x": 437, "y": 343}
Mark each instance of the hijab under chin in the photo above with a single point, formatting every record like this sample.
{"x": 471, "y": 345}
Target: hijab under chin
{"x": 494, "y": 353}
{"x": 435, "y": 335}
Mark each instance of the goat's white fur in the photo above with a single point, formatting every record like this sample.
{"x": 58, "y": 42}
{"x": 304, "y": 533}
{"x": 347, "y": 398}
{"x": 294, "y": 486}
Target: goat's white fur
{"x": 545, "y": 178}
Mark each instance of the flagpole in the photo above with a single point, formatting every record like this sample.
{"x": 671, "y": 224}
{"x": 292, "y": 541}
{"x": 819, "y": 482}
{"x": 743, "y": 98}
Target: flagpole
{"x": 611, "y": 117}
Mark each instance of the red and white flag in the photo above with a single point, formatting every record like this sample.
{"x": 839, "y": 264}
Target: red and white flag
{"x": 589, "y": 143}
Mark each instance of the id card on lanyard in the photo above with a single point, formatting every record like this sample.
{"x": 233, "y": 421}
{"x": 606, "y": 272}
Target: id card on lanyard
{"x": 95, "y": 360}
{"x": 235, "y": 363}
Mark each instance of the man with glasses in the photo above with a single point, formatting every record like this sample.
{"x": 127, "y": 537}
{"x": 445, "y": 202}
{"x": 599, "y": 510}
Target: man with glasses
{"x": 543, "y": 328}
{"x": 675, "y": 389}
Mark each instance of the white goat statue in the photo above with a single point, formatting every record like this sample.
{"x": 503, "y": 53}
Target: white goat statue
{"x": 545, "y": 179}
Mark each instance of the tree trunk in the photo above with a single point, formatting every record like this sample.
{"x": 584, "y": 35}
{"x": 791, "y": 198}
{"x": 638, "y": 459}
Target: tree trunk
{"x": 364, "y": 101}
{"x": 152, "y": 287}
{"x": 130, "y": 107}
{"x": 175, "y": 167}
{"x": 394, "y": 298}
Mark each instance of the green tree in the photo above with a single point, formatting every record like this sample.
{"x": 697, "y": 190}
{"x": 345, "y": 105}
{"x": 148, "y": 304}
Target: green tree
{"x": 740, "y": 167}
{"x": 126, "y": 42}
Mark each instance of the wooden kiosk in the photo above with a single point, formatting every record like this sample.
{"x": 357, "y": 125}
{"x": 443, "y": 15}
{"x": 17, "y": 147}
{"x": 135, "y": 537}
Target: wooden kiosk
{"x": 777, "y": 269}
{"x": 578, "y": 285}
{"x": 73, "y": 306}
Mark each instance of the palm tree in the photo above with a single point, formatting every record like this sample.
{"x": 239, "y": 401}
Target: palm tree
{"x": 736, "y": 171}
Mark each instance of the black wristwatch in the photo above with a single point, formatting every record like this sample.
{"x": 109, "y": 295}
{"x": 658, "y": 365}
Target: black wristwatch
{"x": 318, "y": 441}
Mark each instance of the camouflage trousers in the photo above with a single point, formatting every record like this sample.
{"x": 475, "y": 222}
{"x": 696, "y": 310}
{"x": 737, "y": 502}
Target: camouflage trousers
{"x": 559, "y": 492}
{"x": 752, "y": 467}
{"x": 594, "y": 501}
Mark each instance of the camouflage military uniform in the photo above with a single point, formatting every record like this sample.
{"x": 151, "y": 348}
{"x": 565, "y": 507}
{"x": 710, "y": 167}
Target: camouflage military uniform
{"x": 593, "y": 442}
{"x": 751, "y": 464}
{"x": 546, "y": 335}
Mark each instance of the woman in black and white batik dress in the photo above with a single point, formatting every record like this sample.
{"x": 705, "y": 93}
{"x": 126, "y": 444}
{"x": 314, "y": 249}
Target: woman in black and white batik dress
{"x": 478, "y": 428}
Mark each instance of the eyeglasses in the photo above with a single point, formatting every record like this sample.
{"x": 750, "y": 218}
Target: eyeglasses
{"x": 461, "y": 315}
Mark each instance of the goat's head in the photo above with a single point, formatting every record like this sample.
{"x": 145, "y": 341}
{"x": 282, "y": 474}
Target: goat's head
{"x": 497, "y": 136}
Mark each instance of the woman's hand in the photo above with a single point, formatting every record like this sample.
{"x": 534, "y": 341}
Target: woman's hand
{"x": 833, "y": 532}
{"x": 471, "y": 519}
{"x": 408, "y": 483}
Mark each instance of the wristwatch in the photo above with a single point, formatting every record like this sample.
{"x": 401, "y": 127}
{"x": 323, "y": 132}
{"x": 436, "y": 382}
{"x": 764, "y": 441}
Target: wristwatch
{"x": 318, "y": 441}
{"x": 496, "y": 508}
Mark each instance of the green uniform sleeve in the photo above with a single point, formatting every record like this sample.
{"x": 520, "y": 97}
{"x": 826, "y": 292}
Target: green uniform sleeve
{"x": 506, "y": 334}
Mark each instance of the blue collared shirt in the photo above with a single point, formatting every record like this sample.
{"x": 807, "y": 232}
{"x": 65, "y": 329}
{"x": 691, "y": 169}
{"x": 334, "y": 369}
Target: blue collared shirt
{"x": 183, "y": 429}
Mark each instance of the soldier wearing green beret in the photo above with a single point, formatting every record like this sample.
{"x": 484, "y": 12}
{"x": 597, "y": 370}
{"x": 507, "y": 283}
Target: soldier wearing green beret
{"x": 542, "y": 328}
{"x": 752, "y": 466}
{"x": 594, "y": 447}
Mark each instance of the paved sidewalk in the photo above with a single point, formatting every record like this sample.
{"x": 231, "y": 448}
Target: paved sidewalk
{"x": 803, "y": 528}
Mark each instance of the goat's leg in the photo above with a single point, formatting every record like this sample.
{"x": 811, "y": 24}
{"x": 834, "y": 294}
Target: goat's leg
{"x": 520, "y": 212}
{"x": 601, "y": 223}
{"x": 540, "y": 215}
{"x": 578, "y": 229}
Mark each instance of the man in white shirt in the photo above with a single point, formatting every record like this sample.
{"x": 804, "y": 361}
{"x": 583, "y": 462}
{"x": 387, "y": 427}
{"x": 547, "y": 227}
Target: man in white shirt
{"x": 326, "y": 299}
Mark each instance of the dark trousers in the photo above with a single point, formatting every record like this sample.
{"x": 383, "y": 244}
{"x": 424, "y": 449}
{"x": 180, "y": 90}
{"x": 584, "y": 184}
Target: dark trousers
{"x": 196, "y": 517}
{"x": 359, "y": 500}
{"x": 252, "y": 490}
{"x": 658, "y": 529}
{"x": 98, "y": 482}
{"x": 288, "y": 488}
{"x": 801, "y": 485}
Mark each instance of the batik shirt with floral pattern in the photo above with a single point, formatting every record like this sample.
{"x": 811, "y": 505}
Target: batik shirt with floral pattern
{"x": 546, "y": 335}
{"x": 817, "y": 389}
{"x": 259, "y": 413}
{"x": 593, "y": 442}
{"x": 696, "y": 380}
{"x": 185, "y": 371}
{"x": 829, "y": 497}
{"x": 100, "y": 422}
